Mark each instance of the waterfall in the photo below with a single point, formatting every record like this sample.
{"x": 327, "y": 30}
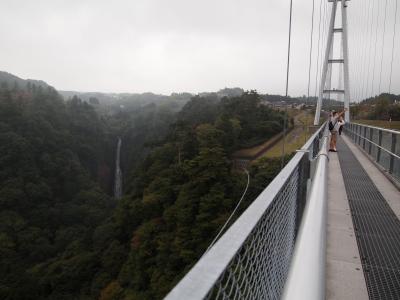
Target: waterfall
{"x": 118, "y": 172}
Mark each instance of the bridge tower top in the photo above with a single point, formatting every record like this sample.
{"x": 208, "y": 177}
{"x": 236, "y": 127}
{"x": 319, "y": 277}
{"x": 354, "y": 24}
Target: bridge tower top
{"x": 325, "y": 83}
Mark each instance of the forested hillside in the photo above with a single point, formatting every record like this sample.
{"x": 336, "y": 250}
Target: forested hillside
{"x": 383, "y": 107}
{"x": 50, "y": 153}
{"x": 62, "y": 236}
{"x": 12, "y": 82}
{"x": 183, "y": 192}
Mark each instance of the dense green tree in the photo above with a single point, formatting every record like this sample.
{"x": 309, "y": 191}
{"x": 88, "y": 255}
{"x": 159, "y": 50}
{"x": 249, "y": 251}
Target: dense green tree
{"x": 50, "y": 205}
{"x": 63, "y": 237}
{"x": 383, "y": 107}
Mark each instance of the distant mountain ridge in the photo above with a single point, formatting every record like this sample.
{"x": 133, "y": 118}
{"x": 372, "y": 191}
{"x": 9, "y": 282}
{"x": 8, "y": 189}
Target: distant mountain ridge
{"x": 148, "y": 96}
{"x": 11, "y": 81}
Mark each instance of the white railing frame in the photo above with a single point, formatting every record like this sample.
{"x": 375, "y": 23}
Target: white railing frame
{"x": 200, "y": 280}
{"x": 390, "y": 170}
{"x": 306, "y": 280}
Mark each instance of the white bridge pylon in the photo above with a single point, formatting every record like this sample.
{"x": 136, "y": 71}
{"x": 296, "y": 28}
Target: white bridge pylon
{"x": 329, "y": 60}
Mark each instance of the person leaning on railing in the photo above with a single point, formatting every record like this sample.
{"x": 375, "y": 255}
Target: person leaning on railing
{"x": 336, "y": 121}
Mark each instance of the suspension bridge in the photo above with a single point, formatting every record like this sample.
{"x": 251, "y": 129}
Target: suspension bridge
{"x": 327, "y": 227}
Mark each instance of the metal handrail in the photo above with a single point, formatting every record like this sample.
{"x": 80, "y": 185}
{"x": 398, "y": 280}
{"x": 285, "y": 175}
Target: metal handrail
{"x": 306, "y": 278}
{"x": 375, "y": 144}
{"x": 378, "y": 128}
{"x": 383, "y": 150}
{"x": 204, "y": 275}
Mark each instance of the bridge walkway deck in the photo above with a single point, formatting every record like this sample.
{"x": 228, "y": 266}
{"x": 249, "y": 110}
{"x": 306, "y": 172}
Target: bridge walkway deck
{"x": 363, "y": 255}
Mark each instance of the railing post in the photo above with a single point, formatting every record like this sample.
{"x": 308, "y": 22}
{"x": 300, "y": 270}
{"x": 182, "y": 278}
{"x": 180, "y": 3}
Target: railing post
{"x": 365, "y": 136}
{"x": 378, "y": 152}
{"x": 349, "y": 131}
{"x": 371, "y": 132}
{"x": 393, "y": 150}
{"x": 354, "y": 131}
{"x": 359, "y": 134}
{"x": 356, "y": 136}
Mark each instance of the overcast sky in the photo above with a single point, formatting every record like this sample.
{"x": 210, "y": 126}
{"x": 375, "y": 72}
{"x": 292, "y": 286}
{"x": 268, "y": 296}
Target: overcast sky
{"x": 161, "y": 46}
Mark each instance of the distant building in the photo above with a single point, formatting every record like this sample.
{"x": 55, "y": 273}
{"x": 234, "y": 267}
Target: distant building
{"x": 265, "y": 102}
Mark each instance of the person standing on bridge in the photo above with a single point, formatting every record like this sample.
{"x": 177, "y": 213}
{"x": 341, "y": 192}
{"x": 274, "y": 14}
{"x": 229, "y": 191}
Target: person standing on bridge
{"x": 335, "y": 122}
{"x": 341, "y": 123}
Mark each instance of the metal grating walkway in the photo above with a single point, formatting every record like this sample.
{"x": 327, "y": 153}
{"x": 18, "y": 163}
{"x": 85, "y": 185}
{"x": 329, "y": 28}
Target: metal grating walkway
{"x": 377, "y": 228}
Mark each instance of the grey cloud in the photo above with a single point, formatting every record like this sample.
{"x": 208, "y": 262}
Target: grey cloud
{"x": 158, "y": 45}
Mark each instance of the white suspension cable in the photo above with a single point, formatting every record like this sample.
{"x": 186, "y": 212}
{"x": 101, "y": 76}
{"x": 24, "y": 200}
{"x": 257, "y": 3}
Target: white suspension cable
{"x": 287, "y": 84}
{"x": 393, "y": 47}
{"x": 232, "y": 214}
{"x": 318, "y": 49}
{"x": 383, "y": 47}
{"x": 311, "y": 50}
{"x": 375, "y": 44}
{"x": 370, "y": 16}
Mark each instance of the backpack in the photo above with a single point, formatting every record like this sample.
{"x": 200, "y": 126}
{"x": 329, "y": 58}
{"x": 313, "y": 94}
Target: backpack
{"x": 331, "y": 125}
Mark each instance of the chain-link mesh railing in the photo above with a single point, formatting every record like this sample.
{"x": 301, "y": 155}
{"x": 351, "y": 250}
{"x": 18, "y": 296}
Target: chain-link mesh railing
{"x": 252, "y": 259}
{"x": 259, "y": 269}
{"x": 382, "y": 145}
